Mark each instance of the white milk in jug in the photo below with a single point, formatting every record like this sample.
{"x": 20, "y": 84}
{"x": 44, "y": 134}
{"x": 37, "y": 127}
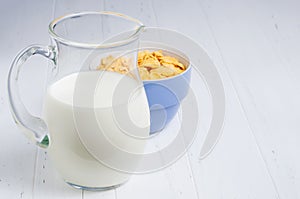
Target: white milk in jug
{"x": 74, "y": 162}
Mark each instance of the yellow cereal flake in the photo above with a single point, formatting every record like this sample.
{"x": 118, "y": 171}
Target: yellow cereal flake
{"x": 158, "y": 54}
{"x": 154, "y": 75}
{"x": 176, "y": 70}
{"x": 107, "y": 60}
{"x": 164, "y": 71}
{"x": 150, "y": 62}
{"x": 144, "y": 73}
{"x": 169, "y": 59}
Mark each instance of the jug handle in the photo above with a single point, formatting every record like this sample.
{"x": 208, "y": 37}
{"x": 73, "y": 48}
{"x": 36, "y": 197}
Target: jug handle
{"x": 34, "y": 127}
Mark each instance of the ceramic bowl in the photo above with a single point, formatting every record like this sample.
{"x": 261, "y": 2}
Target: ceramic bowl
{"x": 164, "y": 95}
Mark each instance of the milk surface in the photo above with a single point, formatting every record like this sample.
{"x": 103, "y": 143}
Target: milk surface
{"x": 80, "y": 113}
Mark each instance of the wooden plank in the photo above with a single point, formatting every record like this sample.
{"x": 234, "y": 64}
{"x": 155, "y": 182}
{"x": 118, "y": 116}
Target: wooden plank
{"x": 63, "y": 7}
{"x": 17, "y": 155}
{"x": 260, "y": 49}
{"x": 168, "y": 183}
{"x": 279, "y": 23}
{"x": 17, "y": 160}
{"x": 235, "y": 169}
{"x": 110, "y": 194}
{"x": 141, "y": 10}
{"x": 48, "y": 183}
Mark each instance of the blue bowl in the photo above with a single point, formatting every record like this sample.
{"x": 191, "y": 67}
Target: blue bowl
{"x": 164, "y": 95}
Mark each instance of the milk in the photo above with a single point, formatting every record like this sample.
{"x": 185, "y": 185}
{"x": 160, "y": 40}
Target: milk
{"x": 74, "y": 108}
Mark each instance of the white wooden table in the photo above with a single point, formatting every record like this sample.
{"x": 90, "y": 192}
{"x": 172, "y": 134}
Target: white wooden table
{"x": 256, "y": 47}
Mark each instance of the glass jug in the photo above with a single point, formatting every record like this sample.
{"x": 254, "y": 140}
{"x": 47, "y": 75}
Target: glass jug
{"x": 80, "y": 100}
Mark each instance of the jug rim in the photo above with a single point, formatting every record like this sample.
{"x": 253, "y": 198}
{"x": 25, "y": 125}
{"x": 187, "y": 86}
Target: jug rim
{"x": 132, "y": 37}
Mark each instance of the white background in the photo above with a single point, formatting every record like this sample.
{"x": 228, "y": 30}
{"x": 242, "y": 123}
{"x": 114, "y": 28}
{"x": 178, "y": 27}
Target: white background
{"x": 255, "y": 46}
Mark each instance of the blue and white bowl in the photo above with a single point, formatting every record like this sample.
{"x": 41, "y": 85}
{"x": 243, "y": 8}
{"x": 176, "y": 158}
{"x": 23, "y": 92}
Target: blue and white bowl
{"x": 165, "y": 95}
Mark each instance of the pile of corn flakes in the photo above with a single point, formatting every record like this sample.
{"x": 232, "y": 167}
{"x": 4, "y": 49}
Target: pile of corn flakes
{"x": 151, "y": 65}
